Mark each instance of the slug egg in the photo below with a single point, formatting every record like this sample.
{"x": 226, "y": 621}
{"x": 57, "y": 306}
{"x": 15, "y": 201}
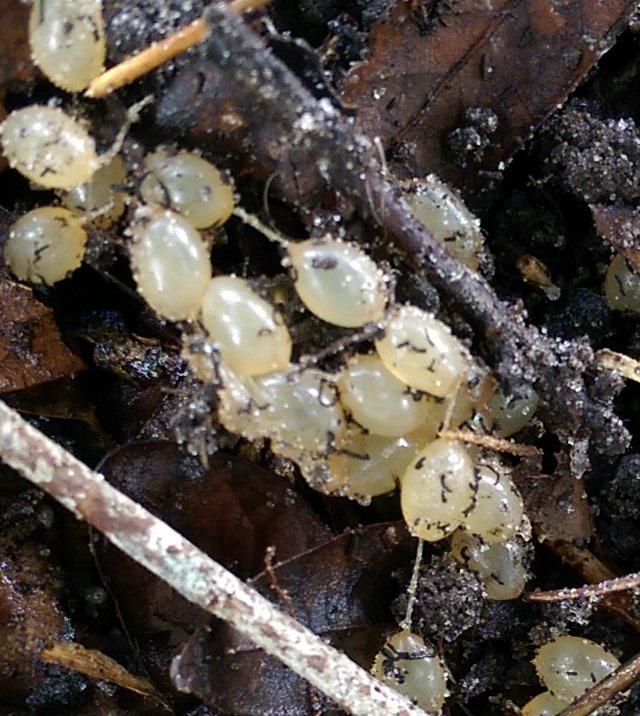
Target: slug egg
{"x": 377, "y": 400}
{"x": 170, "y": 264}
{"x": 100, "y": 195}
{"x": 367, "y": 465}
{"x": 437, "y": 489}
{"x": 67, "y": 41}
{"x": 48, "y": 147}
{"x": 189, "y": 185}
{"x": 498, "y": 510}
{"x": 406, "y": 664}
{"x": 338, "y": 282}
{"x": 500, "y": 566}
{"x": 569, "y": 665}
{"x": 544, "y": 704}
{"x": 250, "y": 334}
{"x": 444, "y": 213}
{"x": 511, "y": 415}
{"x": 622, "y": 286}
{"x": 420, "y": 351}
{"x": 45, "y": 245}
{"x": 299, "y": 410}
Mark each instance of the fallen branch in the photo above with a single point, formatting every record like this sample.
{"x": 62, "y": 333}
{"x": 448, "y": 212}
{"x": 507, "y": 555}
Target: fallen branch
{"x": 239, "y": 89}
{"x": 169, "y": 556}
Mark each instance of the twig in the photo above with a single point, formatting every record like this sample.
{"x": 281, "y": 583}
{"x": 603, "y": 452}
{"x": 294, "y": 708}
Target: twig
{"x": 309, "y": 143}
{"x": 617, "y": 584}
{"x": 159, "y": 52}
{"x": 491, "y": 442}
{"x": 169, "y": 556}
{"x": 620, "y": 680}
{"x": 96, "y": 665}
{"x": 595, "y": 572}
{"x": 625, "y": 365}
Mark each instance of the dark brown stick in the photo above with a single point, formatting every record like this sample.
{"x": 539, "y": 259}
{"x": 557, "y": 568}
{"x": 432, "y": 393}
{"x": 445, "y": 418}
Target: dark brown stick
{"x": 292, "y": 134}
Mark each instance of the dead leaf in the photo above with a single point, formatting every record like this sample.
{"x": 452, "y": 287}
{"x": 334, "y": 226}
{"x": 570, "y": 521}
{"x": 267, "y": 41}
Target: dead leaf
{"x": 620, "y": 227}
{"x": 234, "y": 512}
{"x": 517, "y": 58}
{"x": 556, "y": 504}
{"x": 31, "y": 348}
{"x": 341, "y": 590}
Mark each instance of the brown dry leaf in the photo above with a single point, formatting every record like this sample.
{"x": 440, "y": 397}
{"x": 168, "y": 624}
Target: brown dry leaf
{"x": 30, "y": 615}
{"x": 340, "y": 590}
{"x": 556, "y": 504}
{"x": 518, "y": 58}
{"x": 619, "y": 226}
{"x": 234, "y": 512}
{"x": 31, "y": 348}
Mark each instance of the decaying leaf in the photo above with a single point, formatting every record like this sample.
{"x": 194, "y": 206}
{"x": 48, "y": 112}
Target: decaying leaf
{"x": 341, "y": 590}
{"x": 517, "y": 58}
{"x": 31, "y": 348}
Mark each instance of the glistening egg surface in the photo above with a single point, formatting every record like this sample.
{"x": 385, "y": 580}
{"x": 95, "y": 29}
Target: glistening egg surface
{"x": 48, "y": 147}
{"x": 189, "y": 185}
{"x": 170, "y": 264}
{"x": 68, "y": 41}
{"x": 377, "y": 400}
{"x": 338, "y": 282}
{"x": 45, "y": 245}
{"x": 420, "y": 351}
{"x": 436, "y": 489}
{"x": 249, "y": 333}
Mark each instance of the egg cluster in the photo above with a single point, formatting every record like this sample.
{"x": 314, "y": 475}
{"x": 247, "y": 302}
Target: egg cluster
{"x": 567, "y": 666}
{"x": 362, "y": 430}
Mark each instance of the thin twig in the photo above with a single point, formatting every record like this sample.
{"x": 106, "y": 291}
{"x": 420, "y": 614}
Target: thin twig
{"x": 159, "y": 53}
{"x": 491, "y": 442}
{"x": 620, "y": 680}
{"x": 617, "y": 584}
{"x": 178, "y": 562}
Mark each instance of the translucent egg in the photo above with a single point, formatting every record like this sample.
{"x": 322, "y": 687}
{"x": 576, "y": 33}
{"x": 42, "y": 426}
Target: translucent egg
{"x": 511, "y": 415}
{"x": 368, "y": 465}
{"x": 498, "y": 510}
{"x": 298, "y": 409}
{"x": 406, "y": 664}
{"x": 500, "y": 566}
{"x": 622, "y": 286}
{"x": 189, "y": 185}
{"x": 377, "y": 400}
{"x": 544, "y": 704}
{"x": 170, "y": 264}
{"x": 444, "y": 213}
{"x": 303, "y": 410}
{"x": 470, "y": 402}
{"x": 420, "y": 351}
{"x": 436, "y": 489}
{"x": 67, "y": 41}
{"x": 249, "y": 333}
{"x": 48, "y": 147}
{"x": 45, "y": 245}
{"x": 569, "y": 665}
{"x": 100, "y": 195}
{"x": 338, "y": 282}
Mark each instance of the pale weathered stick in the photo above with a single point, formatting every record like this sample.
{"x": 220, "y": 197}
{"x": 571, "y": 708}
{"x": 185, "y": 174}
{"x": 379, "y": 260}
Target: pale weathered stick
{"x": 189, "y": 571}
